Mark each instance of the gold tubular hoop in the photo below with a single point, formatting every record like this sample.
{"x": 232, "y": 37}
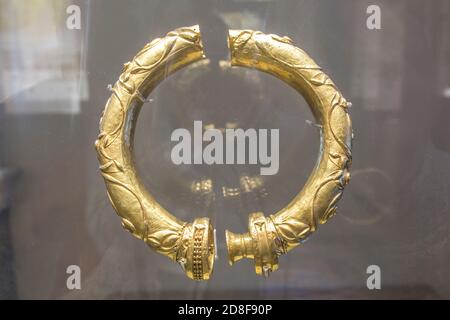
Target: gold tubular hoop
{"x": 270, "y": 237}
{"x": 192, "y": 244}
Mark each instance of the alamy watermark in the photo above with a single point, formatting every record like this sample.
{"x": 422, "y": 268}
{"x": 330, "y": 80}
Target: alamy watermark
{"x": 374, "y": 280}
{"x": 73, "y": 281}
{"x": 73, "y": 21}
{"x": 227, "y": 146}
{"x": 373, "y": 21}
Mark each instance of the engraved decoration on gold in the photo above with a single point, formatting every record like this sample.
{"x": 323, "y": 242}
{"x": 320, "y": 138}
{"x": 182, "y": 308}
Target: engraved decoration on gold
{"x": 192, "y": 244}
{"x": 272, "y": 236}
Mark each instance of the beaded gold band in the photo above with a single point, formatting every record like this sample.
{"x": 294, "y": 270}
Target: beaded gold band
{"x": 192, "y": 244}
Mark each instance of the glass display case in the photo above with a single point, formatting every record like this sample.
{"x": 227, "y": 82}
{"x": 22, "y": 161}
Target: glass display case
{"x": 60, "y": 62}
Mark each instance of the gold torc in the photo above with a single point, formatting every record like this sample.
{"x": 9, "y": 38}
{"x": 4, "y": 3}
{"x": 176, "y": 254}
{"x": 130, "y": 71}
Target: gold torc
{"x": 191, "y": 244}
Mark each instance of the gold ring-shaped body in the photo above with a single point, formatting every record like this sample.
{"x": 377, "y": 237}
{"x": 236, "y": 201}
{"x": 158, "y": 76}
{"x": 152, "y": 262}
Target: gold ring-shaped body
{"x": 270, "y": 237}
{"x": 192, "y": 244}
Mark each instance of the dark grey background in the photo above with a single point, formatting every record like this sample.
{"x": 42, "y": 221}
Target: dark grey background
{"x": 395, "y": 212}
